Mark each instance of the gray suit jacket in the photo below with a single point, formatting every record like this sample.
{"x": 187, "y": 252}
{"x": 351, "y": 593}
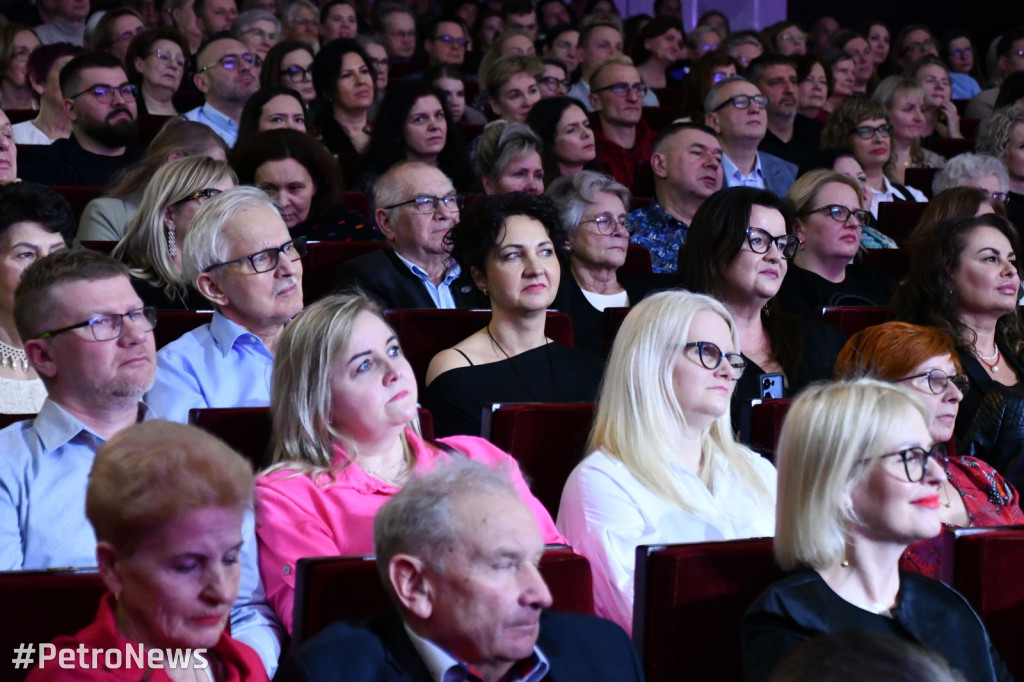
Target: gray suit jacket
{"x": 779, "y": 174}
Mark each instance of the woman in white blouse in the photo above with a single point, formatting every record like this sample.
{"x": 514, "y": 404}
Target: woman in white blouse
{"x": 664, "y": 467}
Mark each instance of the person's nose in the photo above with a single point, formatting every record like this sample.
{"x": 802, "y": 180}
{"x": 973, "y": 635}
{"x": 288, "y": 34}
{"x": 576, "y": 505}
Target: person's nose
{"x": 222, "y": 585}
{"x": 534, "y": 591}
{"x": 934, "y": 471}
{"x": 534, "y": 186}
{"x": 393, "y": 369}
{"x": 725, "y": 370}
{"x": 285, "y": 265}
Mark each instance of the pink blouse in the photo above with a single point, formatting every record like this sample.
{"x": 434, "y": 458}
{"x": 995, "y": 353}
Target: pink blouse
{"x": 297, "y": 516}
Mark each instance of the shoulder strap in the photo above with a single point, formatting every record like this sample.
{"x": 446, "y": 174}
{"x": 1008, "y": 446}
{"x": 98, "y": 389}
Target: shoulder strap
{"x": 440, "y": 445}
{"x": 463, "y": 355}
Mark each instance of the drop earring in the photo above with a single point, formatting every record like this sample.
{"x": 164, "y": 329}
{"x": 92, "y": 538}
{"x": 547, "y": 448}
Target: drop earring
{"x": 172, "y": 249}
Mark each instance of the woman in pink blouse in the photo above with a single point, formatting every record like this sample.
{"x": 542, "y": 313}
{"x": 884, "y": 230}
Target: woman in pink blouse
{"x": 346, "y": 438}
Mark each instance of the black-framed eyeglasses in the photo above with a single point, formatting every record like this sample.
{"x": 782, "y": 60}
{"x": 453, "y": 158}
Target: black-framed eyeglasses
{"x": 938, "y": 381}
{"x": 296, "y": 74}
{"x": 760, "y": 241}
{"x": 622, "y": 89}
{"x": 923, "y": 45}
{"x": 110, "y": 326}
{"x": 233, "y": 61}
{"x": 841, "y": 214}
{"x": 447, "y": 39}
{"x": 868, "y": 132}
{"x": 428, "y": 205}
{"x": 962, "y": 53}
{"x": 268, "y": 259}
{"x": 915, "y": 460}
{"x": 711, "y": 356}
{"x": 105, "y": 93}
{"x": 553, "y": 83}
{"x": 607, "y": 223}
{"x": 744, "y": 101}
{"x": 205, "y": 193}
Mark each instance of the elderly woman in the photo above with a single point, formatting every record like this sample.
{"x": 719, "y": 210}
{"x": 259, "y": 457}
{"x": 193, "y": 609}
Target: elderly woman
{"x": 511, "y": 245}
{"x": 345, "y": 439}
{"x": 985, "y": 172}
{"x": 904, "y": 101}
{"x": 17, "y": 42}
{"x": 52, "y": 122}
{"x": 856, "y": 45}
{"x": 964, "y": 279}
{"x": 743, "y": 46}
{"x": 152, "y": 243}
{"x": 258, "y": 29}
{"x": 814, "y": 85}
{"x": 508, "y": 159}
{"x": 933, "y": 75}
{"x": 345, "y": 80}
{"x": 567, "y": 140}
{"x": 863, "y": 126}
{"x": 657, "y": 46}
{"x": 290, "y": 64}
{"x": 510, "y": 84}
{"x": 857, "y": 476}
{"x": 829, "y": 216}
{"x": 924, "y": 359}
{"x": 167, "y": 502}
{"x": 155, "y": 63}
{"x": 738, "y": 250}
{"x": 1002, "y": 135}
{"x": 785, "y": 38}
{"x": 34, "y": 222}
{"x": 663, "y": 465}
{"x": 106, "y": 218}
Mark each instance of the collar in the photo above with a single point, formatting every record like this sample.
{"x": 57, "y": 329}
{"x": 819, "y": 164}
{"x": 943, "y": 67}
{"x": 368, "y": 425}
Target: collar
{"x": 443, "y": 667}
{"x": 731, "y": 170}
{"x": 227, "y": 333}
{"x": 217, "y": 118}
{"x": 453, "y": 269}
{"x": 56, "y": 426}
{"x": 661, "y": 215}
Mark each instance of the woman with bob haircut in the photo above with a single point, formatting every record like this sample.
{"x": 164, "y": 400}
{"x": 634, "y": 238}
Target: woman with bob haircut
{"x": 301, "y": 177}
{"x": 510, "y": 84}
{"x": 269, "y": 109}
{"x": 512, "y": 246}
{"x": 857, "y": 477}
{"x": 924, "y": 359}
{"x": 964, "y": 279}
{"x": 974, "y": 170}
{"x": 156, "y": 62}
{"x": 738, "y": 250}
{"x": 567, "y": 139}
{"x": 167, "y": 502}
{"x": 346, "y": 438}
{"x": 508, "y": 159}
{"x": 663, "y": 465}
{"x": 707, "y": 70}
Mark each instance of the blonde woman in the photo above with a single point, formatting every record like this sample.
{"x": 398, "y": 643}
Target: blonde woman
{"x": 858, "y": 470}
{"x": 346, "y": 438}
{"x": 904, "y": 100}
{"x": 664, "y": 466}
{"x": 151, "y": 247}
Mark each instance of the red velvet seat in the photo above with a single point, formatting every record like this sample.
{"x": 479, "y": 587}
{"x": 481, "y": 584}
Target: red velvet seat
{"x": 949, "y": 146}
{"x": 547, "y": 439}
{"x": 78, "y": 197}
{"x": 425, "y": 333}
{"x": 851, "y": 319}
{"x": 766, "y": 425}
{"x": 921, "y": 178}
{"x": 344, "y": 588}
{"x": 899, "y": 218}
{"x": 638, "y": 260}
{"x": 42, "y": 605}
{"x": 689, "y": 601}
{"x": 172, "y": 324}
{"x": 323, "y": 259}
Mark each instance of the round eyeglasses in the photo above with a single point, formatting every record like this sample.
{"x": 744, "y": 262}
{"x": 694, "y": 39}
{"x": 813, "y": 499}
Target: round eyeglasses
{"x": 760, "y": 241}
{"x": 711, "y": 356}
{"x": 938, "y": 381}
{"x": 841, "y": 214}
{"x": 607, "y": 224}
{"x": 915, "y": 460}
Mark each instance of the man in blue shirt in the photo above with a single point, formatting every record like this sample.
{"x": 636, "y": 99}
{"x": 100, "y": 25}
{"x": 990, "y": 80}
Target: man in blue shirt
{"x": 227, "y": 74}
{"x": 239, "y": 255}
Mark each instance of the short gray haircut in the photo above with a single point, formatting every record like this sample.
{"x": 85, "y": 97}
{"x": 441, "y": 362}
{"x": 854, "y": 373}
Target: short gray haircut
{"x": 294, "y": 7}
{"x": 711, "y": 99}
{"x": 419, "y": 519}
{"x": 573, "y": 194}
{"x": 994, "y": 132}
{"x": 501, "y": 143}
{"x": 970, "y": 166}
{"x": 390, "y": 189}
{"x": 205, "y": 243}
{"x": 244, "y": 21}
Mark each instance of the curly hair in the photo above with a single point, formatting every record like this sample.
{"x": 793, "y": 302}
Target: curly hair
{"x": 994, "y": 132}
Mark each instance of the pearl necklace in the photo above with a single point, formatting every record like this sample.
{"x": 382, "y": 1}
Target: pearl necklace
{"x": 987, "y": 360}
{"x": 12, "y": 357}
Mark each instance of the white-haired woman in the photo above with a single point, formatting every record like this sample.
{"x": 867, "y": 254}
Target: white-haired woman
{"x": 985, "y": 172}
{"x": 1002, "y": 135}
{"x": 664, "y": 466}
{"x": 858, "y": 471}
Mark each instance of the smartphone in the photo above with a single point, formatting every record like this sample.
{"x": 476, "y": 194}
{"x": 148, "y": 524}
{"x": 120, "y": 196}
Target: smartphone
{"x": 771, "y": 386}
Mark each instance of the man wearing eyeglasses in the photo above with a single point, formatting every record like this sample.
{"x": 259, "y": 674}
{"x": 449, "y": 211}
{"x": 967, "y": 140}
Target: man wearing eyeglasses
{"x": 100, "y": 102}
{"x": 736, "y": 110}
{"x": 396, "y": 27}
{"x": 449, "y": 42}
{"x": 622, "y": 138}
{"x": 1010, "y": 53}
{"x": 239, "y": 255}
{"x": 227, "y": 74}
{"x": 415, "y": 207}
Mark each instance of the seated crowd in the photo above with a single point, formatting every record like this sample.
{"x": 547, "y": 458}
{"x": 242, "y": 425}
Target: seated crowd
{"x": 589, "y": 210}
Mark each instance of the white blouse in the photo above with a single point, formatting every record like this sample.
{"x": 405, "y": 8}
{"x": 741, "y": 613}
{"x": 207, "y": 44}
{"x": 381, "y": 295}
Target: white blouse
{"x": 605, "y": 513}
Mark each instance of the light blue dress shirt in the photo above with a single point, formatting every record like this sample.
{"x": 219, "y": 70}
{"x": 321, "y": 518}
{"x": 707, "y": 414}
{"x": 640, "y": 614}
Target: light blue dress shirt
{"x": 44, "y": 470}
{"x": 440, "y": 294}
{"x": 219, "y": 364}
{"x": 734, "y": 177}
{"x": 443, "y": 667}
{"x": 220, "y": 123}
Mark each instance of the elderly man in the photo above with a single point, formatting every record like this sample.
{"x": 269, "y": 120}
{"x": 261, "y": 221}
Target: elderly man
{"x": 790, "y": 137}
{"x": 100, "y": 102}
{"x": 302, "y": 23}
{"x": 622, "y": 138}
{"x": 227, "y": 74}
{"x": 458, "y": 553}
{"x": 415, "y": 206}
{"x": 687, "y": 167}
{"x": 735, "y": 110}
{"x": 90, "y": 340}
{"x": 239, "y": 255}
{"x": 396, "y": 27}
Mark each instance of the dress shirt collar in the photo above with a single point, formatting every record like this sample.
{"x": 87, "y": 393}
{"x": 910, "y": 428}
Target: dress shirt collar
{"x": 57, "y": 427}
{"x": 452, "y": 270}
{"x": 731, "y": 170}
{"x": 661, "y": 216}
{"x": 218, "y": 118}
{"x": 443, "y": 667}
{"x": 227, "y": 333}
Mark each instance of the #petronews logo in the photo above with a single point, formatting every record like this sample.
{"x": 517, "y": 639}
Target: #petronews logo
{"x": 136, "y": 657}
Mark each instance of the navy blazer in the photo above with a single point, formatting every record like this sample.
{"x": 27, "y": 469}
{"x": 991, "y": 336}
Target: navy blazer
{"x": 578, "y": 647}
{"x": 387, "y": 279}
{"x": 779, "y": 174}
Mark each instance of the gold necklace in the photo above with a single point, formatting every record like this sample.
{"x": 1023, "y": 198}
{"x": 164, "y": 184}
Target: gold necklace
{"x": 945, "y": 493}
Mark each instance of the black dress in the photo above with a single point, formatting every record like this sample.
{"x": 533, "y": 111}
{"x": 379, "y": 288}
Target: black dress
{"x": 980, "y": 383}
{"x": 804, "y": 293}
{"x": 551, "y": 373}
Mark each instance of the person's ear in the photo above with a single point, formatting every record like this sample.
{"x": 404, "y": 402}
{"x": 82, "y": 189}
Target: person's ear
{"x": 412, "y": 585}
{"x": 109, "y": 567}
{"x": 493, "y": 103}
{"x": 798, "y": 231}
{"x": 37, "y": 351}
{"x": 176, "y": 154}
{"x": 210, "y": 288}
{"x": 711, "y": 121}
{"x": 659, "y": 165}
{"x": 139, "y": 61}
{"x": 595, "y": 102}
{"x": 383, "y": 218}
{"x": 489, "y": 185}
{"x": 69, "y": 109}
{"x": 479, "y": 278}
{"x": 200, "y": 82}
{"x": 37, "y": 87}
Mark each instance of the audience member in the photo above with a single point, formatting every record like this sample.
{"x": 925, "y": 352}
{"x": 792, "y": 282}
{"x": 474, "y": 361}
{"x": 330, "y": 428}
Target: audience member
{"x": 914, "y": 42}
{"x": 508, "y": 159}
{"x": 487, "y": 27}
{"x": 704, "y": 73}
{"x": 511, "y": 244}
{"x": 856, "y": 45}
{"x": 941, "y": 113}
{"x": 598, "y": 40}
{"x": 567, "y": 140}
{"x": 814, "y": 80}
{"x": 453, "y": 531}
{"x": 964, "y": 70}
{"x": 184, "y": 19}
{"x": 664, "y": 467}
{"x": 554, "y": 81}
{"x": 446, "y": 41}
{"x": 8, "y": 152}
{"x": 1002, "y": 135}
{"x": 703, "y": 40}
{"x": 785, "y": 38}
{"x": 115, "y": 31}
{"x": 346, "y": 439}
{"x": 374, "y": 49}
{"x": 841, "y": 69}
{"x": 272, "y": 108}
{"x": 552, "y": 13}
{"x": 239, "y": 255}
{"x": 448, "y": 79}
{"x": 67, "y": 25}
{"x": 338, "y": 20}
{"x": 520, "y": 14}
{"x": 155, "y": 64}
{"x": 623, "y": 139}
{"x": 658, "y": 46}
{"x": 52, "y": 122}
{"x": 214, "y": 16}
{"x": 258, "y": 29}
{"x": 17, "y": 43}
{"x": 904, "y": 102}
{"x": 788, "y": 136}
{"x": 226, "y": 75}
{"x": 396, "y": 26}
{"x": 511, "y": 85}
{"x": 956, "y": 202}
{"x": 879, "y": 38}
{"x": 561, "y": 43}
{"x": 821, "y": 32}
{"x": 1010, "y": 53}
{"x": 345, "y": 80}
{"x": 301, "y": 22}
{"x": 743, "y": 46}
{"x": 985, "y": 172}
{"x": 290, "y": 65}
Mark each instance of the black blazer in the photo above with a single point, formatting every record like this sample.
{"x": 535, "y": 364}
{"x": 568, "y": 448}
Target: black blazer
{"x": 384, "y": 277}
{"x": 578, "y": 647}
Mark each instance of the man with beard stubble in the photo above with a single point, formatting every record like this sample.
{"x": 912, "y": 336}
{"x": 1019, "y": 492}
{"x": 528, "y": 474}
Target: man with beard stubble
{"x": 227, "y": 75}
{"x": 100, "y": 102}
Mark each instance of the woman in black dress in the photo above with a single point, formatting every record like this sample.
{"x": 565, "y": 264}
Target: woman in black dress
{"x": 511, "y": 244}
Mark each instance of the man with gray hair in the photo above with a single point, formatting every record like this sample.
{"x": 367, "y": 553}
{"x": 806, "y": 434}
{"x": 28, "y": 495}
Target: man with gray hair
{"x": 396, "y": 26}
{"x": 985, "y": 172}
{"x": 458, "y": 552}
{"x": 239, "y": 255}
{"x": 415, "y": 206}
{"x": 302, "y": 23}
